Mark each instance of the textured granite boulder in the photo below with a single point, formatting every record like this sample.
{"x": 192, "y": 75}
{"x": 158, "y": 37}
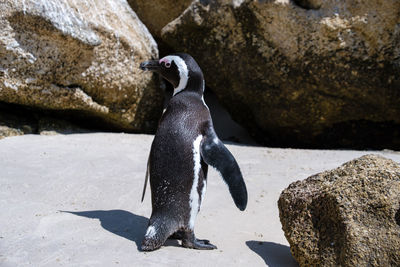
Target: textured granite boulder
{"x": 349, "y": 216}
{"x": 79, "y": 56}
{"x": 316, "y": 73}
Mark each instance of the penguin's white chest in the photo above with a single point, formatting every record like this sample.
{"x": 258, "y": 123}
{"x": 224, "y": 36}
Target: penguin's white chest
{"x": 194, "y": 201}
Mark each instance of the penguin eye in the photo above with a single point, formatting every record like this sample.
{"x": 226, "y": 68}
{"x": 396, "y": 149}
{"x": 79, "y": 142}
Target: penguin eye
{"x": 167, "y": 64}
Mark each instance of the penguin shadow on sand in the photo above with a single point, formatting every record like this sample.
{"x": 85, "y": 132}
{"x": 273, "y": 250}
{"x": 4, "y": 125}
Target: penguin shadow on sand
{"x": 122, "y": 223}
{"x": 273, "y": 254}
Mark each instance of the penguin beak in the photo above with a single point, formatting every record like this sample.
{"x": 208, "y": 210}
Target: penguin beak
{"x": 151, "y": 65}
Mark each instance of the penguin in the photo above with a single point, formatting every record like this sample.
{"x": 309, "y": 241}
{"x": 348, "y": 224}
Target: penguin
{"x": 184, "y": 145}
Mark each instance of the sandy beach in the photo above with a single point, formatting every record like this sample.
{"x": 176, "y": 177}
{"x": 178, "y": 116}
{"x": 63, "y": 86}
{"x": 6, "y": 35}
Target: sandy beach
{"x": 74, "y": 200}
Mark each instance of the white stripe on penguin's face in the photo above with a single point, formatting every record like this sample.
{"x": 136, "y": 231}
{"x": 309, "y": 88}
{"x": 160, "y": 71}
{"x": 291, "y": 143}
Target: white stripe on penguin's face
{"x": 183, "y": 71}
{"x": 194, "y": 194}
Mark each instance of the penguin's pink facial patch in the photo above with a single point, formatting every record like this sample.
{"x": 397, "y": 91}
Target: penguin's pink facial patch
{"x": 167, "y": 62}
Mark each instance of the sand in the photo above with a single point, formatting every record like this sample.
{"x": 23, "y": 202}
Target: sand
{"x": 74, "y": 200}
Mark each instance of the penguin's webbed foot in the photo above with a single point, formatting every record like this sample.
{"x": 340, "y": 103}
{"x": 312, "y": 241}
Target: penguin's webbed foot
{"x": 198, "y": 244}
{"x": 204, "y": 244}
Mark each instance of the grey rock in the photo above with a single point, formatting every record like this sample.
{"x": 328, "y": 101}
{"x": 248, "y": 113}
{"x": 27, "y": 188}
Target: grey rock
{"x": 80, "y": 56}
{"x": 349, "y": 216}
{"x": 292, "y": 75}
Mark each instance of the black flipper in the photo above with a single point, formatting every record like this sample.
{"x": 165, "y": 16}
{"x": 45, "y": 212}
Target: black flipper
{"x": 146, "y": 178}
{"x": 215, "y": 153}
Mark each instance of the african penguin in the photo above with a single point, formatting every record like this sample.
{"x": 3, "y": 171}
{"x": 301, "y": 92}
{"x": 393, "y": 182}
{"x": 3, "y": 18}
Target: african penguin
{"x": 184, "y": 145}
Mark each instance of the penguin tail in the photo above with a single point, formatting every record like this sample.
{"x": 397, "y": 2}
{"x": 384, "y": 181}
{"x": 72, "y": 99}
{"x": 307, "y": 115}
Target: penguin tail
{"x": 146, "y": 179}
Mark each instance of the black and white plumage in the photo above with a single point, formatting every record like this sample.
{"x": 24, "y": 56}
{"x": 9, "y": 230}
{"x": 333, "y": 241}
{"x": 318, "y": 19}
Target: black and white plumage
{"x": 184, "y": 145}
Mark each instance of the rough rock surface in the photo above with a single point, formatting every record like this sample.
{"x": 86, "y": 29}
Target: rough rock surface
{"x": 349, "y": 216}
{"x": 156, "y": 14}
{"x": 298, "y": 75}
{"x": 80, "y": 56}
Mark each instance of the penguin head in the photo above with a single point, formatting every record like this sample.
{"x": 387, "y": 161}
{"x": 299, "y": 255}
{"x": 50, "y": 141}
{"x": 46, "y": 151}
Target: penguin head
{"x": 176, "y": 68}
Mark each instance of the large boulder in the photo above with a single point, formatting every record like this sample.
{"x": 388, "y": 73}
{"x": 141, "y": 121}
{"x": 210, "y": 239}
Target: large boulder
{"x": 321, "y": 73}
{"x": 349, "y": 216}
{"x": 80, "y": 57}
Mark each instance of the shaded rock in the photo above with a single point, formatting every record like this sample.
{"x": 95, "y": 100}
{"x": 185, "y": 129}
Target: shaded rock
{"x": 79, "y": 56}
{"x": 52, "y": 126}
{"x": 300, "y": 77}
{"x": 156, "y": 14}
{"x": 6, "y": 131}
{"x": 17, "y": 120}
{"x": 13, "y": 125}
{"x": 309, "y": 4}
{"x": 345, "y": 217}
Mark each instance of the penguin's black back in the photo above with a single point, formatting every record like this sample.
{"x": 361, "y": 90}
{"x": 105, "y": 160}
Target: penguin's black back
{"x": 171, "y": 156}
